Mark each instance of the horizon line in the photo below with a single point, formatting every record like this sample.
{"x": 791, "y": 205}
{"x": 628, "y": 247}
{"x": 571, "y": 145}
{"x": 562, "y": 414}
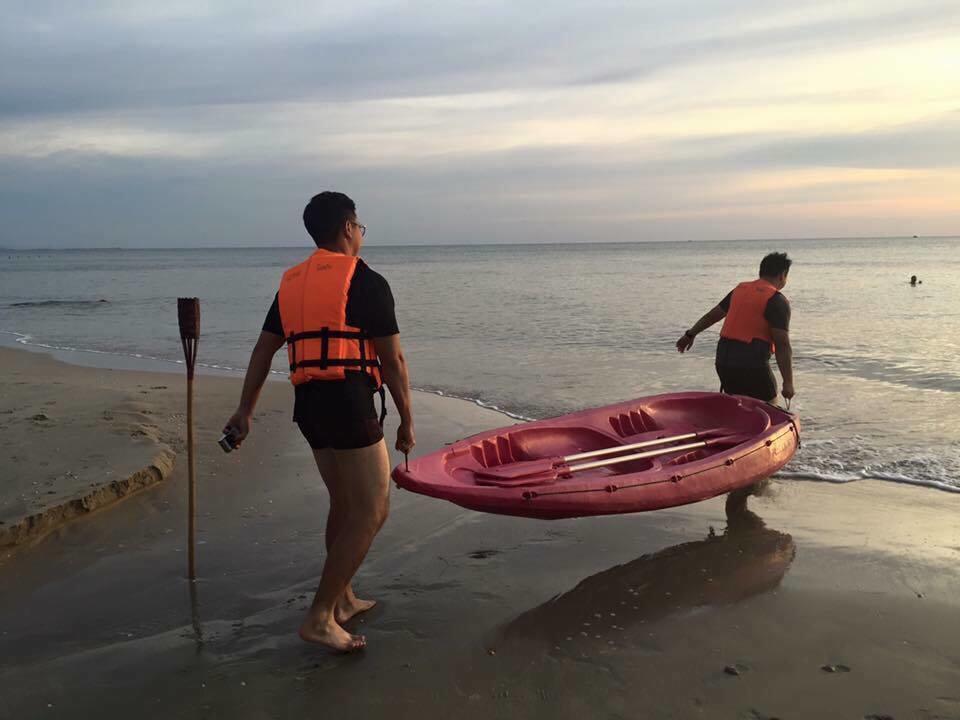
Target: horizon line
{"x": 492, "y": 244}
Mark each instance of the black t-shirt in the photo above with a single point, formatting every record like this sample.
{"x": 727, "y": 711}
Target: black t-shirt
{"x": 370, "y": 307}
{"x": 734, "y": 353}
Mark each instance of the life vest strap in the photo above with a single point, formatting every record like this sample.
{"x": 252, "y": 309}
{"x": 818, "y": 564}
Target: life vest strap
{"x": 324, "y": 335}
{"x": 345, "y": 362}
{"x": 327, "y": 333}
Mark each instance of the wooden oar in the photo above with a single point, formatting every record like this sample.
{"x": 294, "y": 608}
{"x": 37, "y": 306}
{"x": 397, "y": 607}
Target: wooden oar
{"x": 523, "y": 468}
{"x": 556, "y": 471}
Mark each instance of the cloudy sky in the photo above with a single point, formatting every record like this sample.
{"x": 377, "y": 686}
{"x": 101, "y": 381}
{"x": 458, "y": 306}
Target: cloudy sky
{"x": 176, "y": 124}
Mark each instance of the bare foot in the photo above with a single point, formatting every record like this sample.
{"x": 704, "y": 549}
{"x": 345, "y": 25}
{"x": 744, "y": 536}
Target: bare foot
{"x": 331, "y": 635}
{"x": 349, "y": 607}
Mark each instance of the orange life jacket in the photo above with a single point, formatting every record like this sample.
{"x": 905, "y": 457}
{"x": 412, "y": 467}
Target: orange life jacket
{"x": 745, "y": 321}
{"x": 313, "y": 310}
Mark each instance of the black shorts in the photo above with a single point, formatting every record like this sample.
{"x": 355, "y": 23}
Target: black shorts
{"x": 755, "y": 382}
{"x": 338, "y": 415}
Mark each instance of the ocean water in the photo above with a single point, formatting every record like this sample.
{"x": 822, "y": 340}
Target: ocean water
{"x": 539, "y": 330}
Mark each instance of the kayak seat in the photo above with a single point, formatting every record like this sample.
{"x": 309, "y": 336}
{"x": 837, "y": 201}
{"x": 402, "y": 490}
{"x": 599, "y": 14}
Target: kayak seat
{"x": 535, "y": 443}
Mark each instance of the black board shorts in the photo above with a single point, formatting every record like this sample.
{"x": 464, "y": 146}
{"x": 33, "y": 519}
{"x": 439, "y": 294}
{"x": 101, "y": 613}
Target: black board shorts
{"x": 755, "y": 382}
{"x": 338, "y": 415}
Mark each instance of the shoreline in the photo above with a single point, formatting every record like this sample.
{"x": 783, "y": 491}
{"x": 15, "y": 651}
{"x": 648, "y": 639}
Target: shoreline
{"x": 101, "y": 360}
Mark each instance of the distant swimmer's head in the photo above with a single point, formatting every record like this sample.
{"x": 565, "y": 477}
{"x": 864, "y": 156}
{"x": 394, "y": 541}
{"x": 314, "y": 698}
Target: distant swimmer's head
{"x": 913, "y": 279}
{"x": 331, "y": 220}
{"x": 774, "y": 268}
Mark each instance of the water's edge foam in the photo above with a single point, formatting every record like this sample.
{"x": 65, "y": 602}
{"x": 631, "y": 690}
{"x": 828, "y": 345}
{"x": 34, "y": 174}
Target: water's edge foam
{"x": 27, "y": 342}
{"x": 865, "y": 475}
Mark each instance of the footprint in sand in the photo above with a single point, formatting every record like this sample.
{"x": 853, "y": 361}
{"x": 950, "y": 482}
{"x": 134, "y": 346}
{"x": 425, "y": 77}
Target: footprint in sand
{"x": 145, "y": 430}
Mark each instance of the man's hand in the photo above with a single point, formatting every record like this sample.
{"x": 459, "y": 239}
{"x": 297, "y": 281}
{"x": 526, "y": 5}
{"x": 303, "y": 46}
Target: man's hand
{"x": 239, "y": 426}
{"x": 405, "y": 438}
{"x": 685, "y": 342}
{"x": 267, "y": 345}
{"x": 788, "y": 391}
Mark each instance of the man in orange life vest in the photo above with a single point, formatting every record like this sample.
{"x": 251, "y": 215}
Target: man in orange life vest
{"x": 337, "y": 317}
{"x": 756, "y": 322}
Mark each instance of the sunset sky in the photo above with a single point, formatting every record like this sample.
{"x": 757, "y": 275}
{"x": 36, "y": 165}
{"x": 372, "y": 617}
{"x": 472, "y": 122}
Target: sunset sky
{"x": 182, "y": 124}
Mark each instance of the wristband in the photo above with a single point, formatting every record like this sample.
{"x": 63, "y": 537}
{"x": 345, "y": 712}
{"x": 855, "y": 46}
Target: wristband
{"x": 688, "y": 334}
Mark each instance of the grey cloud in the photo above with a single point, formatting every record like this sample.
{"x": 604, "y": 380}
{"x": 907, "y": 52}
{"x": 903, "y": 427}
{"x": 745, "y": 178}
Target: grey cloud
{"x": 934, "y": 143}
{"x": 821, "y": 36}
{"x": 57, "y": 62}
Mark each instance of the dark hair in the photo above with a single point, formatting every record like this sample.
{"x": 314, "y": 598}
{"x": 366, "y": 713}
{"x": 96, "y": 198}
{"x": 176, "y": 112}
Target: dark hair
{"x": 774, "y": 264}
{"x": 325, "y": 214}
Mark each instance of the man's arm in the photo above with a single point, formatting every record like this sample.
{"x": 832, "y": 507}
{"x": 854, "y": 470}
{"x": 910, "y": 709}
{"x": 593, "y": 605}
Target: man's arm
{"x": 781, "y": 338}
{"x": 715, "y": 315}
{"x": 260, "y": 360}
{"x": 397, "y": 379}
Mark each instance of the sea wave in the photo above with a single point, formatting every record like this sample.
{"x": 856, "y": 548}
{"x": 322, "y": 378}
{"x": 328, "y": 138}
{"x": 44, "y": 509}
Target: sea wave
{"x": 853, "y": 459}
{"x": 866, "y": 474}
{"x": 59, "y": 303}
{"x": 897, "y": 373}
{"x": 476, "y": 401}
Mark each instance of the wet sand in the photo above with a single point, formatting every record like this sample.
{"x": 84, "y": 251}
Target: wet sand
{"x": 685, "y": 613}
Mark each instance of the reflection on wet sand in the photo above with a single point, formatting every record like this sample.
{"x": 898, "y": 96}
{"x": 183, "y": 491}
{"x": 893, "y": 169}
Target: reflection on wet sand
{"x": 746, "y": 559}
{"x": 195, "y": 616}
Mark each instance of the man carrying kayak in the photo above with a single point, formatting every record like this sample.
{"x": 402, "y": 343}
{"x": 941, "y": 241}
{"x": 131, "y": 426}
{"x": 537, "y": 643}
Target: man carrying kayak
{"x": 756, "y": 324}
{"x": 337, "y": 317}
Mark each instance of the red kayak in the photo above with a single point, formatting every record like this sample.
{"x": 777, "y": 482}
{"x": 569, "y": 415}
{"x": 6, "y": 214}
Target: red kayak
{"x": 645, "y": 454}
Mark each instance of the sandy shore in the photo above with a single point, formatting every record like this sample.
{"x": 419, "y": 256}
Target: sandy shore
{"x": 685, "y": 613}
{"x": 77, "y": 440}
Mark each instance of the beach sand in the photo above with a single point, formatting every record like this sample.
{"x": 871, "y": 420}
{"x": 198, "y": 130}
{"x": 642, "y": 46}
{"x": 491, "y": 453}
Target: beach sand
{"x": 682, "y": 613}
{"x": 77, "y": 440}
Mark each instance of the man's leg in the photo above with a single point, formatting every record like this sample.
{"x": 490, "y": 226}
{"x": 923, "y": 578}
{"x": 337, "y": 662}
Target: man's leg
{"x": 362, "y": 478}
{"x": 348, "y": 605}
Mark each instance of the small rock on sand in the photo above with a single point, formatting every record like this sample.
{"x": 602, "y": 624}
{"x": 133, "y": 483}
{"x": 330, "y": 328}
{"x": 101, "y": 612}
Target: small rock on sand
{"x": 835, "y": 668}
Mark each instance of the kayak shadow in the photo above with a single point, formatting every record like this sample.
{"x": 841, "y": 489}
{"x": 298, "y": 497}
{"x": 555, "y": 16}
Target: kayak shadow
{"x": 745, "y": 560}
